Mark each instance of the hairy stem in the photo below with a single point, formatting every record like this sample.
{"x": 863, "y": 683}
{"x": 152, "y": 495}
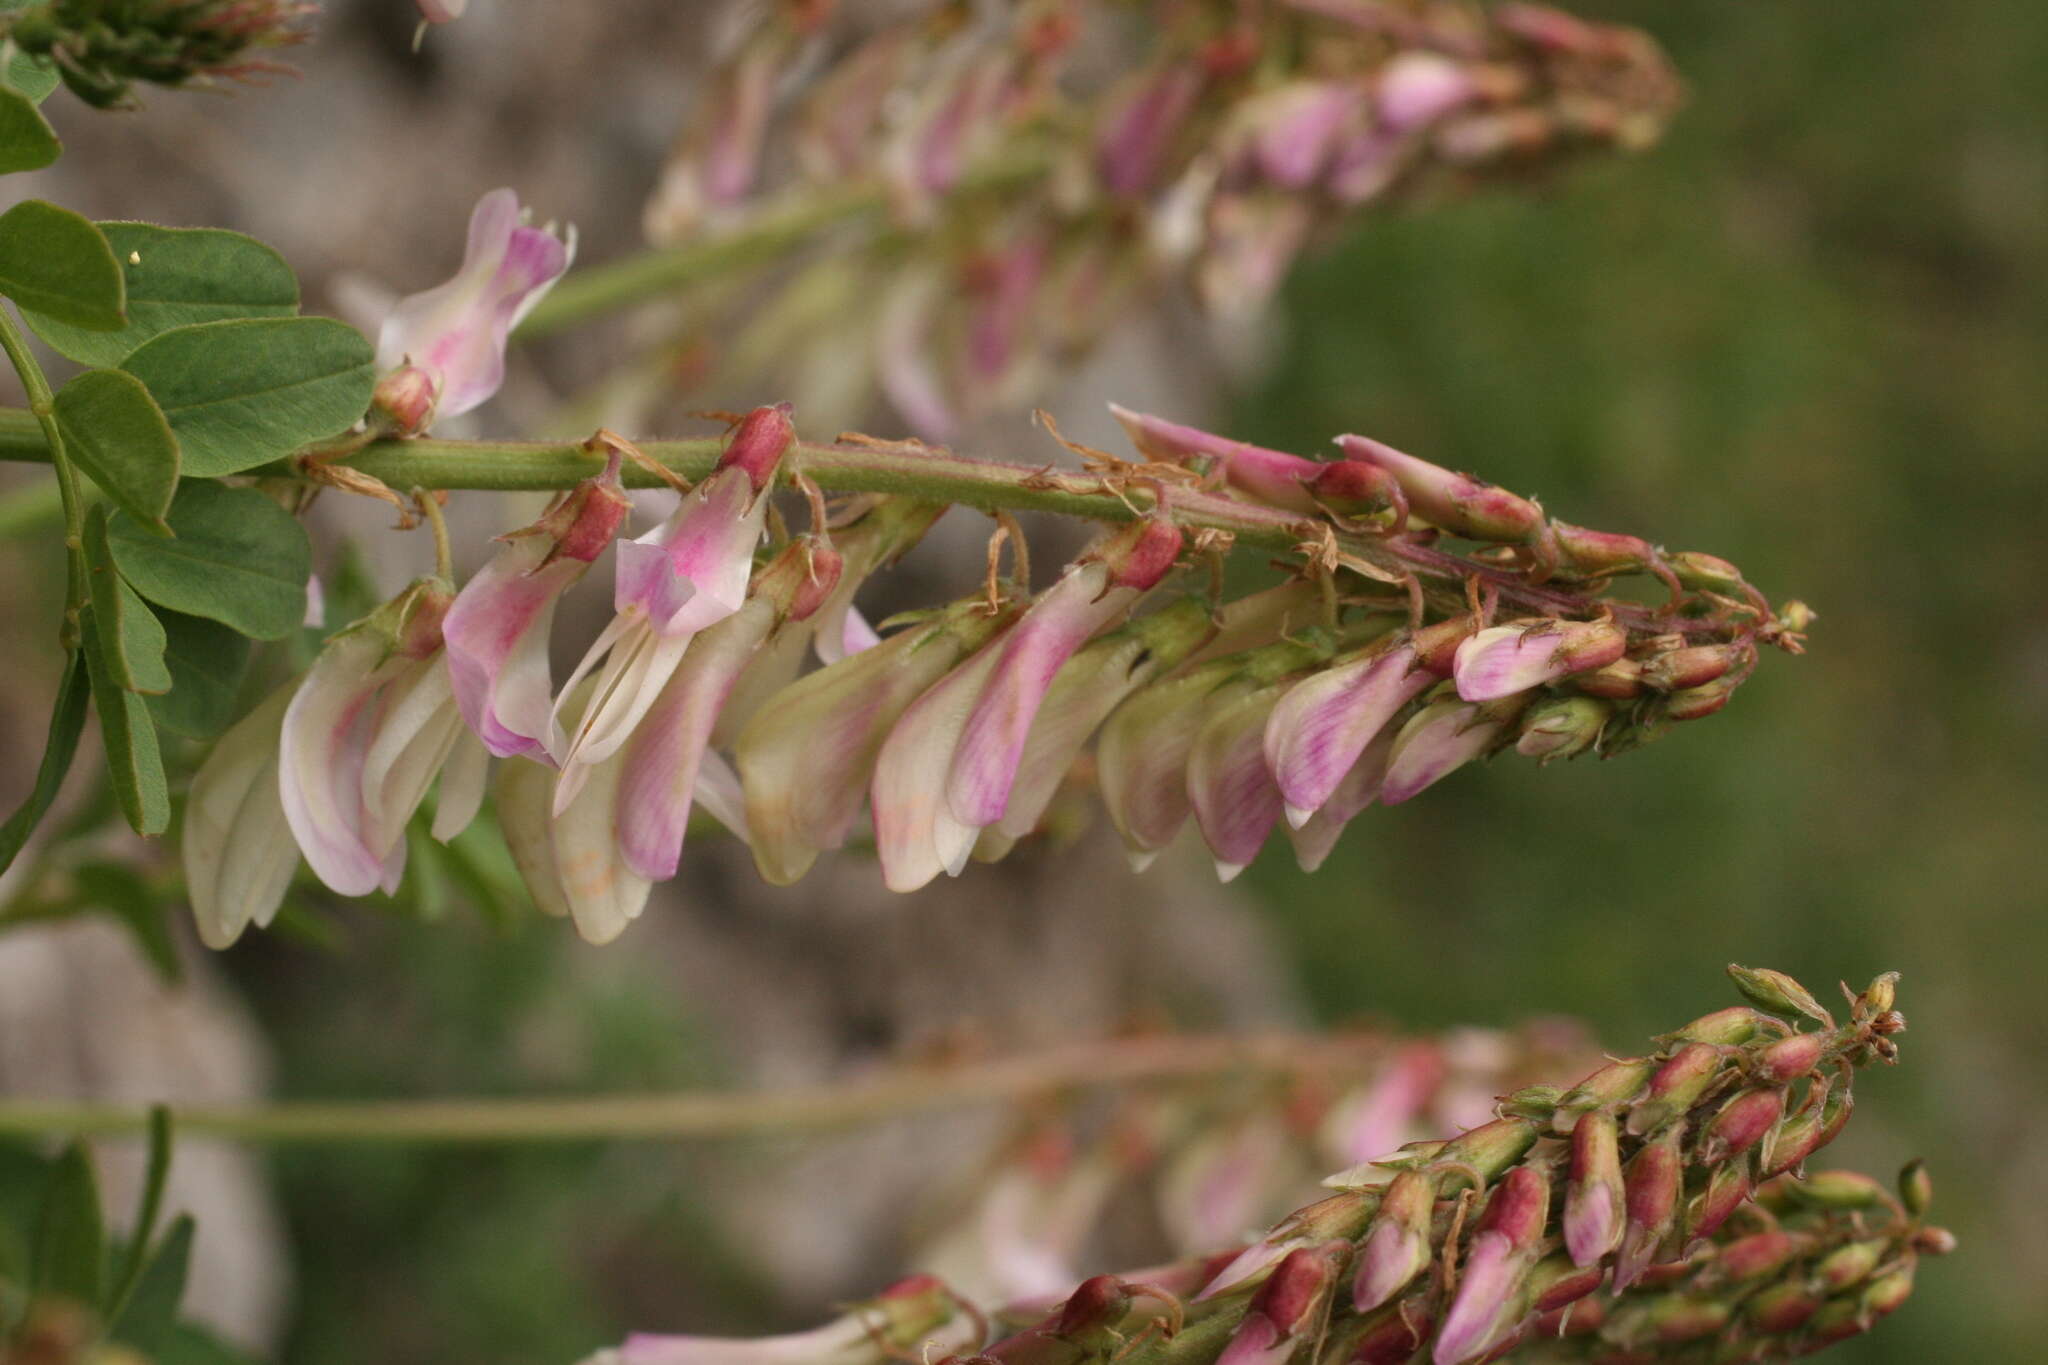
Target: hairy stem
{"x": 835, "y": 1104}
{"x": 42, "y": 405}
{"x": 942, "y": 476}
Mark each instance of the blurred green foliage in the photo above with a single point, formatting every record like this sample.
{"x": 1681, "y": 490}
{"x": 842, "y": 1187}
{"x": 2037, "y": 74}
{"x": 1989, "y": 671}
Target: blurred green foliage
{"x": 1806, "y": 333}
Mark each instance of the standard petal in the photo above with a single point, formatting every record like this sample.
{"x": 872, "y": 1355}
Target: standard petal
{"x": 660, "y": 762}
{"x": 464, "y": 776}
{"x": 496, "y": 635}
{"x": 1323, "y": 724}
{"x": 1059, "y": 622}
{"x": 1315, "y": 836}
{"x": 905, "y": 797}
{"x": 326, "y": 734}
{"x": 1235, "y": 798}
{"x": 1442, "y": 737}
{"x": 805, "y": 759}
{"x": 636, "y": 670}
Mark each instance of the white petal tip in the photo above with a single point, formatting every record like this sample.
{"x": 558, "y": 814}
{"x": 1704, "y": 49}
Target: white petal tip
{"x": 1141, "y": 858}
{"x": 1227, "y": 872}
{"x": 1297, "y": 816}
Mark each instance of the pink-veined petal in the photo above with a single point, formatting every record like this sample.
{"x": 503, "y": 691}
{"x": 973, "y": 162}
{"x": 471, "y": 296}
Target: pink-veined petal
{"x": 1442, "y": 737}
{"x": 464, "y": 776}
{"x": 326, "y": 734}
{"x": 1141, "y": 757}
{"x": 660, "y": 761}
{"x": 1235, "y": 799}
{"x": 906, "y": 793}
{"x": 496, "y": 635}
{"x": 1323, "y": 724}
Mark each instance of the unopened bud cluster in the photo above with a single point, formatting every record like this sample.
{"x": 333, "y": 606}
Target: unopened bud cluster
{"x": 1389, "y": 661}
{"x": 1033, "y": 201}
{"x": 101, "y": 48}
{"x": 1644, "y": 1214}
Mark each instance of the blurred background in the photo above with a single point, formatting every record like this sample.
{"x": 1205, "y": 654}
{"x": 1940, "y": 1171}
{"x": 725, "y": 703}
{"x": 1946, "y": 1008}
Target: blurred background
{"x": 1806, "y": 332}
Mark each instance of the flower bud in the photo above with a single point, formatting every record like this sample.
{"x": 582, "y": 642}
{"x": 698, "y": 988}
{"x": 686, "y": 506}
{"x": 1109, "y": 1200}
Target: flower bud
{"x": 1490, "y": 1148}
{"x": 1697, "y": 703}
{"x": 1758, "y": 1255}
{"x": 1653, "y": 1180}
{"x": 1614, "y": 1084}
{"x": 1690, "y": 667}
{"x": 1141, "y": 554}
{"x": 1777, "y": 993}
{"x": 1780, "y": 1308}
{"x": 1916, "y": 1187}
{"x": 1491, "y": 1284}
{"x": 1561, "y": 727}
{"x": 1504, "y": 660}
{"x": 1621, "y": 680}
{"x": 1676, "y": 1087}
{"x": 1592, "y": 554}
{"x": 1728, "y": 1189}
{"x": 1742, "y": 1123}
{"x": 1557, "y": 1281}
{"x": 1707, "y": 573}
{"x": 1839, "y": 1190}
{"x": 1392, "y": 1335}
{"x": 1849, "y": 1265}
{"x": 1397, "y": 1246}
{"x": 1459, "y": 503}
{"x": 1736, "y": 1024}
{"x": 404, "y": 400}
{"x": 1789, "y": 1058}
{"x": 759, "y": 442}
{"x": 1354, "y": 489}
{"x": 1593, "y": 1191}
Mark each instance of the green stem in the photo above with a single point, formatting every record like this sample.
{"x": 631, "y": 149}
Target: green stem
{"x": 43, "y": 405}
{"x": 766, "y": 237}
{"x": 941, "y": 476}
{"x": 833, "y": 1105}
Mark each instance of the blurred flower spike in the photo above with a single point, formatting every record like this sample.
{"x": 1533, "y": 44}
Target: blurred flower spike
{"x": 443, "y": 351}
{"x": 101, "y": 49}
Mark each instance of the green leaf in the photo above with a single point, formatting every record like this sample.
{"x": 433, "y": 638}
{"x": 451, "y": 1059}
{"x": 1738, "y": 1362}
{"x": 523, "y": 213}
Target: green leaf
{"x": 114, "y": 431}
{"x": 67, "y": 721}
{"x": 151, "y": 1314}
{"x": 178, "y": 277}
{"x": 135, "y": 1256}
{"x": 56, "y": 262}
{"x": 208, "y": 663}
{"x": 122, "y": 892}
{"x": 238, "y": 558}
{"x": 243, "y": 393}
{"x": 129, "y": 633}
{"x": 32, "y": 75}
{"x": 27, "y": 142}
{"x": 71, "y": 1236}
{"x": 129, "y": 735}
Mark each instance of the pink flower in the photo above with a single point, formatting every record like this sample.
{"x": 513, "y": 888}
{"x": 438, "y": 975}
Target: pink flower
{"x": 365, "y": 735}
{"x": 1320, "y": 730}
{"x": 688, "y": 573}
{"x": 662, "y": 760}
{"x": 1416, "y": 88}
{"x": 1235, "y": 799}
{"x": 1436, "y": 741}
{"x": 1287, "y": 1309}
{"x": 497, "y": 629}
{"x": 1488, "y": 1303}
{"x": 947, "y": 770}
{"x": 806, "y": 757}
{"x": 1503, "y": 660}
{"x": 1140, "y": 125}
{"x": 1141, "y": 758}
{"x": 455, "y": 333}
{"x": 1292, "y": 131}
{"x": 1218, "y": 1185}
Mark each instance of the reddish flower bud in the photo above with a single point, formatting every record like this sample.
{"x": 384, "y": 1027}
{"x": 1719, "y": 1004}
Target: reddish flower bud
{"x": 759, "y": 442}
{"x": 1780, "y": 1308}
{"x": 1141, "y": 554}
{"x": 1653, "y": 1181}
{"x": 1619, "y": 681}
{"x": 1501, "y": 661}
{"x": 1849, "y": 1265}
{"x": 405, "y": 399}
{"x": 1593, "y": 1190}
{"x": 1678, "y": 1085}
{"x": 1397, "y": 1247}
{"x": 1736, "y": 1024}
{"x": 1697, "y": 703}
{"x": 1355, "y": 489}
{"x": 1692, "y": 666}
{"x": 1458, "y": 503}
{"x": 1589, "y": 554}
{"x": 1728, "y": 1189}
{"x": 1790, "y": 1058}
{"x": 1742, "y": 1123}
{"x": 1753, "y": 1257}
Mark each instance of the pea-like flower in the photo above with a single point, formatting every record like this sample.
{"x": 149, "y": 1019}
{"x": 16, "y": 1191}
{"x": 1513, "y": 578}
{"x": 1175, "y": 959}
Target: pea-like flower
{"x": 451, "y": 338}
